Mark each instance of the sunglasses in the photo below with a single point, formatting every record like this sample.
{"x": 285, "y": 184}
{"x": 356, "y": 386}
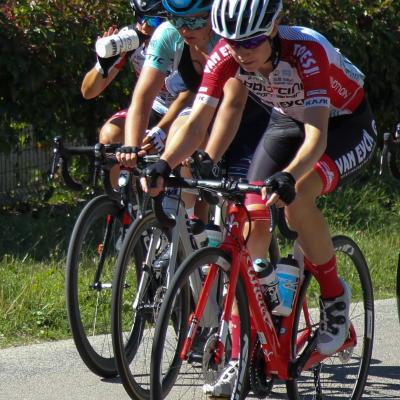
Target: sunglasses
{"x": 190, "y": 23}
{"x": 152, "y": 22}
{"x": 251, "y": 43}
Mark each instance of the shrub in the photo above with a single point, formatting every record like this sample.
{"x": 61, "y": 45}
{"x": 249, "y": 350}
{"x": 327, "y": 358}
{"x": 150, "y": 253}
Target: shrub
{"x": 46, "y": 48}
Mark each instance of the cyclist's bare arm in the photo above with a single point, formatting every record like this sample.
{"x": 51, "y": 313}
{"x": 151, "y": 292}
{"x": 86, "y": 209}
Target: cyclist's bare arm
{"x": 93, "y": 83}
{"x": 184, "y": 99}
{"x": 314, "y": 145}
{"x": 189, "y": 137}
{"x": 228, "y": 119}
{"x": 149, "y": 84}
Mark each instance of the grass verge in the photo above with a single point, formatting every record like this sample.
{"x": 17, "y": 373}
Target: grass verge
{"x": 33, "y": 247}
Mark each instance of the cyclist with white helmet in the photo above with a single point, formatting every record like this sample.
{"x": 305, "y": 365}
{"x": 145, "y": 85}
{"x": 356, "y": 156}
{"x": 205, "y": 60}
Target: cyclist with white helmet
{"x": 321, "y": 133}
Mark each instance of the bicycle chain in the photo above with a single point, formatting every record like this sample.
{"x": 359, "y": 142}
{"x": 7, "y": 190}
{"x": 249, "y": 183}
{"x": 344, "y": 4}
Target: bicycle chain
{"x": 259, "y": 383}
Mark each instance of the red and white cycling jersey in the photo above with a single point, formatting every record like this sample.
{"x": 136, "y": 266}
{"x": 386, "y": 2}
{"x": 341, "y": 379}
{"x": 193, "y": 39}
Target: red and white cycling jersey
{"x": 310, "y": 72}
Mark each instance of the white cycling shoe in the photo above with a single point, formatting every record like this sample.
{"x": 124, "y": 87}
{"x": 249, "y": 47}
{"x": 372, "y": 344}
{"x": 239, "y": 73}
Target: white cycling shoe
{"x": 223, "y": 387}
{"x": 334, "y": 322}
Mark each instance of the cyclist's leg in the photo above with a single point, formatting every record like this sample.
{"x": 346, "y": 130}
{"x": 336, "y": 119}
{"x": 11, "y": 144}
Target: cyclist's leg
{"x": 277, "y": 147}
{"x": 113, "y": 131}
{"x": 351, "y": 145}
{"x": 189, "y": 199}
{"x": 238, "y": 159}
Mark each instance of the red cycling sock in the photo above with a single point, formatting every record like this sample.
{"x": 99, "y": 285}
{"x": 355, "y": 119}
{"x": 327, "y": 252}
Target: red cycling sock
{"x": 327, "y": 277}
{"x": 235, "y": 336}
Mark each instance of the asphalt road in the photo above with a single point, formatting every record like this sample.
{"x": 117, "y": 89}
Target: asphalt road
{"x": 54, "y": 371}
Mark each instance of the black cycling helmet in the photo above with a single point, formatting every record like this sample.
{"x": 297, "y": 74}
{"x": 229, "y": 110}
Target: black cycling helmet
{"x": 148, "y": 7}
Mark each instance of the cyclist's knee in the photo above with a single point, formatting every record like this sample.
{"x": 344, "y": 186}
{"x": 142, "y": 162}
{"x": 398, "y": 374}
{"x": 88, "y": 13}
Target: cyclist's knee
{"x": 111, "y": 133}
{"x": 258, "y": 211}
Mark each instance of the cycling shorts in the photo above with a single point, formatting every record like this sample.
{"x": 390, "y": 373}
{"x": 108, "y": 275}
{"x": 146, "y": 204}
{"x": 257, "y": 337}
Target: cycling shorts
{"x": 351, "y": 145}
{"x": 155, "y": 117}
{"x": 237, "y": 158}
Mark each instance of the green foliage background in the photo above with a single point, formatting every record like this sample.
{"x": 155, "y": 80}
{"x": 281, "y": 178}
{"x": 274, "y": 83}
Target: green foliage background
{"x": 47, "y": 46}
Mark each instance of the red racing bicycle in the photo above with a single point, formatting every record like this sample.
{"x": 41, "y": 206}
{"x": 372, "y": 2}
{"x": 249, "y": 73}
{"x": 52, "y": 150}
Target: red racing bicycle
{"x": 277, "y": 354}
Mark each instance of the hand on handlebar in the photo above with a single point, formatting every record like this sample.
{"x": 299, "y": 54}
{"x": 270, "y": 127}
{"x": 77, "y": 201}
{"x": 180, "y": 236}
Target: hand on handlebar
{"x": 153, "y": 177}
{"x": 127, "y": 156}
{"x": 282, "y": 187}
{"x": 154, "y": 141}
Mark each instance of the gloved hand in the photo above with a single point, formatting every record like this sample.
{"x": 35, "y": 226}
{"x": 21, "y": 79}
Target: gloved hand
{"x": 155, "y": 138}
{"x": 283, "y": 184}
{"x": 105, "y": 65}
{"x": 205, "y": 165}
{"x": 156, "y": 170}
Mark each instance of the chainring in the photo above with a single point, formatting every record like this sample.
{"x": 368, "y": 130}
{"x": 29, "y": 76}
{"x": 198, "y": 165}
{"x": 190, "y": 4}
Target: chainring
{"x": 260, "y": 385}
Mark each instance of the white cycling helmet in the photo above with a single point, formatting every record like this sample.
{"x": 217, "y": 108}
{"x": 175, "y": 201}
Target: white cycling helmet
{"x": 241, "y": 19}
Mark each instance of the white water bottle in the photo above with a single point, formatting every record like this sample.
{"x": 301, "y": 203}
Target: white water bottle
{"x": 268, "y": 281}
{"x": 288, "y": 273}
{"x": 125, "y": 40}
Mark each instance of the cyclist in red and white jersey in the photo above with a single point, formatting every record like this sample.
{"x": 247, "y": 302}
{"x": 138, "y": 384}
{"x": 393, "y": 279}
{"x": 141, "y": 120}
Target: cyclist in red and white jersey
{"x": 321, "y": 132}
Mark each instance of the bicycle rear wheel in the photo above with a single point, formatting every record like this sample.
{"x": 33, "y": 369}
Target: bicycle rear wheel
{"x": 398, "y": 287}
{"x": 138, "y": 289}
{"x": 342, "y": 375}
{"x": 184, "y": 379}
{"x": 393, "y": 160}
{"x": 91, "y": 257}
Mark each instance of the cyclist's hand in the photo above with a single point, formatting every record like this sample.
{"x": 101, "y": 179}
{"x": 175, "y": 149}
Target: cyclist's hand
{"x": 153, "y": 177}
{"x": 105, "y": 65}
{"x": 205, "y": 165}
{"x": 127, "y": 155}
{"x": 282, "y": 186}
{"x": 154, "y": 140}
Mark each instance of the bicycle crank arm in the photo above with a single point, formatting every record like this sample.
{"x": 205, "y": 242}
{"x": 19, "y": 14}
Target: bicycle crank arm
{"x": 297, "y": 366}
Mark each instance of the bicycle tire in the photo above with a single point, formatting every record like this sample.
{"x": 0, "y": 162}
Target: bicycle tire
{"x": 162, "y": 382}
{"x": 357, "y": 360}
{"x": 393, "y": 160}
{"x": 132, "y": 327}
{"x": 398, "y": 287}
{"x": 88, "y": 309}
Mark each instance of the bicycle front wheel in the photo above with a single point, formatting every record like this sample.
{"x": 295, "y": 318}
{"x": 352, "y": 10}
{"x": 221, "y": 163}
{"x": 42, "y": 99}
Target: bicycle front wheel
{"x": 177, "y": 377}
{"x": 398, "y": 287}
{"x": 139, "y": 285}
{"x": 92, "y": 254}
{"x": 344, "y": 374}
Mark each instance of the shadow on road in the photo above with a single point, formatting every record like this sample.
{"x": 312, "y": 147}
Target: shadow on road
{"x": 383, "y": 379}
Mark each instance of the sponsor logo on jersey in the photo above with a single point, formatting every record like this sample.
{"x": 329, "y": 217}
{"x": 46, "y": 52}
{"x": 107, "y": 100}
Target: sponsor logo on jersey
{"x": 288, "y": 91}
{"x": 215, "y": 58}
{"x": 316, "y": 102}
{"x": 339, "y": 88}
{"x": 154, "y": 58}
{"x": 306, "y": 59}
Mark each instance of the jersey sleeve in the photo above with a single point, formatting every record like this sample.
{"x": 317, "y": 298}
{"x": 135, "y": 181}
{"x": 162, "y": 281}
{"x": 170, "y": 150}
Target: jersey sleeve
{"x": 220, "y": 66}
{"x": 313, "y": 66}
{"x": 163, "y": 47}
